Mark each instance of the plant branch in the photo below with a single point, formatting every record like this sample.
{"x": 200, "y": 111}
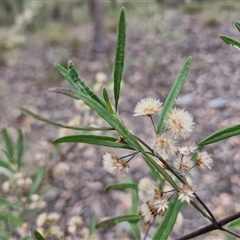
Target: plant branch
{"x": 212, "y": 227}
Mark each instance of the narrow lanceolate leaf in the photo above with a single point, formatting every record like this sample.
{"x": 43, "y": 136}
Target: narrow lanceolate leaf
{"x": 200, "y": 210}
{"x": 38, "y": 117}
{"x": 120, "y": 186}
{"x": 82, "y": 85}
{"x": 119, "y": 57}
{"x": 158, "y": 168}
{"x": 168, "y": 221}
{"x": 221, "y": 134}
{"x": 38, "y": 235}
{"x": 107, "y": 101}
{"x": 64, "y": 72}
{"x": 93, "y": 225}
{"x": 20, "y": 148}
{"x": 9, "y": 145}
{"x": 17, "y": 222}
{"x": 237, "y": 24}
{"x": 95, "y": 140}
{"x": 173, "y": 95}
{"x": 230, "y": 41}
{"x": 65, "y": 91}
{"x": 234, "y": 224}
{"x": 112, "y": 119}
{"x": 36, "y": 184}
{"x": 116, "y": 220}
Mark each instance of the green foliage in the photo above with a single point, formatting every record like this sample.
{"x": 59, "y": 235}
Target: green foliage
{"x": 119, "y": 59}
{"x": 221, "y": 134}
{"x": 173, "y": 95}
{"x": 38, "y": 235}
{"x": 170, "y": 217}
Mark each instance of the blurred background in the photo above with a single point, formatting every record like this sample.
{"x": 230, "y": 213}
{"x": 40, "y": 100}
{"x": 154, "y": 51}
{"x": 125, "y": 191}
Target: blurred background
{"x": 160, "y": 36}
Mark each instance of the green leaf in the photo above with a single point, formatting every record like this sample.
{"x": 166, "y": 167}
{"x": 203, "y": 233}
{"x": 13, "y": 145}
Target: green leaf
{"x": 67, "y": 76}
{"x": 116, "y": 220}
{"x": 168, "y": 221}
{"x": 20, "y": 148}
{"x": 173, "y": 95}
{"x": 38, "y": 117}
{"x": 119, "y": 57}
{"x": 84, "y": 87}
{"x": 120, "y": 186}
{"x": 234, "y": 224}
{"x": 36, "y": 184}
{"x": 112, "y": 119}
{"x": 200, "y": 210}
{"x": 93, "y": 225}
{"x": 158, "y": 168}
{"x": 38, "y": 235}
{"x": 6, "y": 172}
{"x": 8, "y": 204}
{"x": 237, "y": 24}
{"x": 230, "y": 41}
{"x": 17, "y": 222}
{"x": 94, "y": 139}
{"x": 107, "y": 101}
{"x": 65, "y": 91}
{"x": 8, "y": 144}
{"x": 5, "y": 165}
{"x": 221, "y": 134}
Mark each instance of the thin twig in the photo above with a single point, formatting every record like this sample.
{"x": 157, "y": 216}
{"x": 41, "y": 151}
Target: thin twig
{"x": 230, "y": 232}
{"x": 146, "y": 234}
{"x": 211, "y": 227}
{"x": 155, "y": 130}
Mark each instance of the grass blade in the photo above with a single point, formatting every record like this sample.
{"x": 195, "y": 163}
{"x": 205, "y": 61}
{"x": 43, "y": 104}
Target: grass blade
{"x": 64, "y": 91}
{"x": 230, "y": 41}
{"x": 95, "y": 140}
{"x": 173, "y": 95}
{"x": 8, "y": 204}
{"x": 119, "y": 57}
{"x": 11, "y": 218}
{"x": 20, "y": 149}
{"x": 237, "y": 24}
{"x": 38, "y": 117}
{"x": 36, "y": 184}
{"x": 9, "y": 144}
{"x": 168, "y": 221}
{"x": 120, "y": 186}
{"x": 116, "y": 220}
{"x": 221, "y": 134}
{"x": 234, "y": 224}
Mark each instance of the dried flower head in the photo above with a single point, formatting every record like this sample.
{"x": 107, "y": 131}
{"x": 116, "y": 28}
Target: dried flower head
{"x": 55, "y": 231}
{"x": 149, "y": 213}
{"x": 42, "y": 219}
{"x": 60, "y": 169}
{"x": 186, "y": 193}
{"x": 53, "y": 217}
{"x": 6, "y": 186}
{"x": 84, "y": 233}
{"x": 187, "y": 150}
{"x": 143, "y": 186}
{"x": 184, "y": 163}
{"x": 23, "y": 230}
{"x": 180, "y": 123}
{"x": 204, "y": 160}
{"x": 114, "y": 164}
{"x": 147, "y": 107}
{"x": 161, "y": 204}
{"x": 164, "y": 145}
{"x": 75, "y": 221}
